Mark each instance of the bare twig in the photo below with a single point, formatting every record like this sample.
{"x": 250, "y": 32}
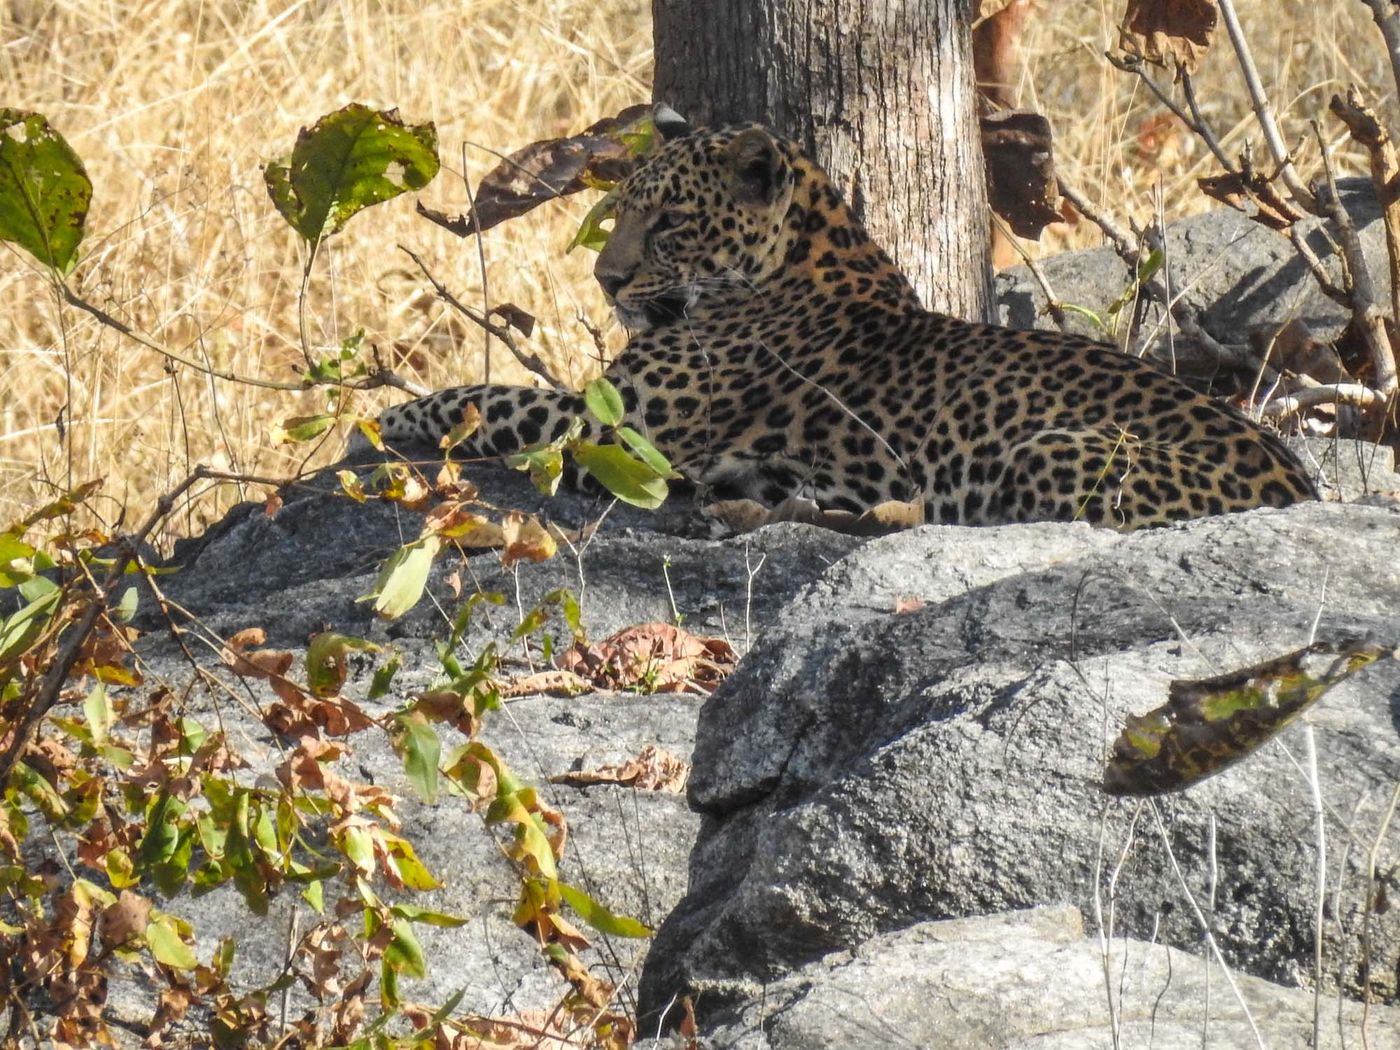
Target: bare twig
{"x": 381, "y": 376}
{"x": 1373, "y": 859}
{"x": 1205, "y": 926}
{"x": 528, "y": 361}
{"x": 73, "y": 299}
{"x": 1319, "y": 909}
{"x": 1052, "y": 304}
{"x": 1369, "y": 132}
{"x": 1387, "y": 18}
{"x": 1263, "y": 109}
{"x": 1365, "y": 304}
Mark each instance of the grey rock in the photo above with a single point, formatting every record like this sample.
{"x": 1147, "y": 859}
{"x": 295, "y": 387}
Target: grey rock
{"x": 1237, "y": 274}
{"x": 864, "y": 770}
{"x": 1032, "y": 981}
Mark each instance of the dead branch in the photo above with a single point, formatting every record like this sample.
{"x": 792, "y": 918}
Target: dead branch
{"x": 1263, "y": 109}
{"x": 1365, "y": 306}
{"x": 1367, "y": 130}
{"x": 1387, "y": 18}
{"x": 528, "y": 361}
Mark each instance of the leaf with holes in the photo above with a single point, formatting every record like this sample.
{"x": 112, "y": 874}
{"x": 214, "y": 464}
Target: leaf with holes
{"x": 1209, "y": 724}
{"x": 599, "y": 156}
{"x": 44, "y": 190}
{"x": 347, "y": 161}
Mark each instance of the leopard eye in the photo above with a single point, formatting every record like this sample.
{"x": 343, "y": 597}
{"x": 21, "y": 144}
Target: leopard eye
{"x": 669, "y": 219}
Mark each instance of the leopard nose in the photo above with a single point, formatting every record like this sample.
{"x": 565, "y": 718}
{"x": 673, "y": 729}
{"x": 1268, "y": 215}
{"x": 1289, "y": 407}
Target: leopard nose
{"x": 611, "y": 283}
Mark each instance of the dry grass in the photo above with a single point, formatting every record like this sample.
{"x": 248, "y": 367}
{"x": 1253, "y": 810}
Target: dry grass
{"x": 174, "y": 106}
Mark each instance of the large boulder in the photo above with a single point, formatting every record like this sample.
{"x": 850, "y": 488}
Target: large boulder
{"x": 1032, "y": 980}
{"x": 922, "y": 733}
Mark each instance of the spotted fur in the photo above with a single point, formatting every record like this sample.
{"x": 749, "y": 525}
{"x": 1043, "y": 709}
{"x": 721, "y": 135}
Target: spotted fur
{"x": 776, "y": 351}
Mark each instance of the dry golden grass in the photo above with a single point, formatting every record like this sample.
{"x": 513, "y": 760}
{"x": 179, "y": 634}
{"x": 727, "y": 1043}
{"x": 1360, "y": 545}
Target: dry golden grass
{"x": 175, "y": 105}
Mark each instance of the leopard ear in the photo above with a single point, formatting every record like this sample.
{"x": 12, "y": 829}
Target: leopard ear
{"x": 669, "y": 124}
{"x": 757, "y": 167}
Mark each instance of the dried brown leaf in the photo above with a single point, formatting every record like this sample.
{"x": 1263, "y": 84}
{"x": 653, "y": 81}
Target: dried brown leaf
{"x": 1018, "y": 147}
{"x": 653, "y": 769}
{"x": 656, "y": 657}
{"x": 125, "y": 921}
{"x": 525, "y": 540}
{"x": 1172, "y": 33}
{"x": 546, "y": 170}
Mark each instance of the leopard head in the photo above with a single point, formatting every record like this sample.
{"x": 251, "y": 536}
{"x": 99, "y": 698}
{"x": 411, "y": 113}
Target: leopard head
{"x": 700, "y": 223}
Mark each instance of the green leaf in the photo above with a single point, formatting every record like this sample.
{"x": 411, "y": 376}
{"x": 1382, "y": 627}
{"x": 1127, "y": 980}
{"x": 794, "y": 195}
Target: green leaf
{"x": 44, "y": 190}
{"x": 301, "y": 428}
{"x": 384, "y": 677}
{"x": 403, "y": 577}
{"x": 349, "y": 160}
{"x": 604, "y": 401}
{"x": 599, "y": 917}
{"x": 413, "y": 913}
{"x": 545, "y": 466}
{"x": 98, "y": 712}
{"x": 20, "y": 630}
{"x": 647, "y": 452}
{"x": 13, "y": 549}
{"x": 590, "y": 232}
{"x": 627, "y": 478}
{"x": 166, "y": 945}
{"x": 418, "y": 742}
{"x": 125, "y": 607}
{"x": 404, "y": 954}
{"x": 325, "y": 661}
{"x": 162, "y": 831}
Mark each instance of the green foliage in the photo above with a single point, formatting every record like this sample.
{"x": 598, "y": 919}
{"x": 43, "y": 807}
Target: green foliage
{"x": 347, "y": 161}
{"x": 154, "y": 804}
{"x": 44, "y": 190}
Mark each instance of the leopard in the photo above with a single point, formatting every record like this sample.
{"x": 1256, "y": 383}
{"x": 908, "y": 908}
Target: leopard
{"x": 776, "y": 352}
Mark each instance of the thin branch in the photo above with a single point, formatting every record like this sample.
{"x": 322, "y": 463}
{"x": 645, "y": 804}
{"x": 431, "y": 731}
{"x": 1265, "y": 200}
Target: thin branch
{"x": 1355, "y": 394}
{"x": 73, "y": 299}
{"x": 1369, "y": 132}
{"x": 1365, "y": 304}
{"x": 1052, "y": 304}
{"x": 528, "y": 361}
{"x": 1263, "y": 109}
{"x": 1388, "y": 21}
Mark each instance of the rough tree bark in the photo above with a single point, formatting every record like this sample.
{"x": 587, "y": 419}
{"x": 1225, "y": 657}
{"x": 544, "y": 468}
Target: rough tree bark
{"x": 881, "y": 92}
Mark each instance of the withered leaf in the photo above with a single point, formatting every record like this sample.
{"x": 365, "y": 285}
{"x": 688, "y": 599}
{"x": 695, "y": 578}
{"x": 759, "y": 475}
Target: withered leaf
{"x": 655, "y": 657}
{"x": 653, "y": 769}
{"x": 546, "y": 170}
{"x": 1019, "y": 150}
{"x": 525, "y": 540}
{"x": 1174, "y": 33}
{"x": 521, "y": 320}
{"x": 1209, "y": 724}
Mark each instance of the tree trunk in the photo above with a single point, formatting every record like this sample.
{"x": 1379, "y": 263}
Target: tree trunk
{"x": 881, "y": 92}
